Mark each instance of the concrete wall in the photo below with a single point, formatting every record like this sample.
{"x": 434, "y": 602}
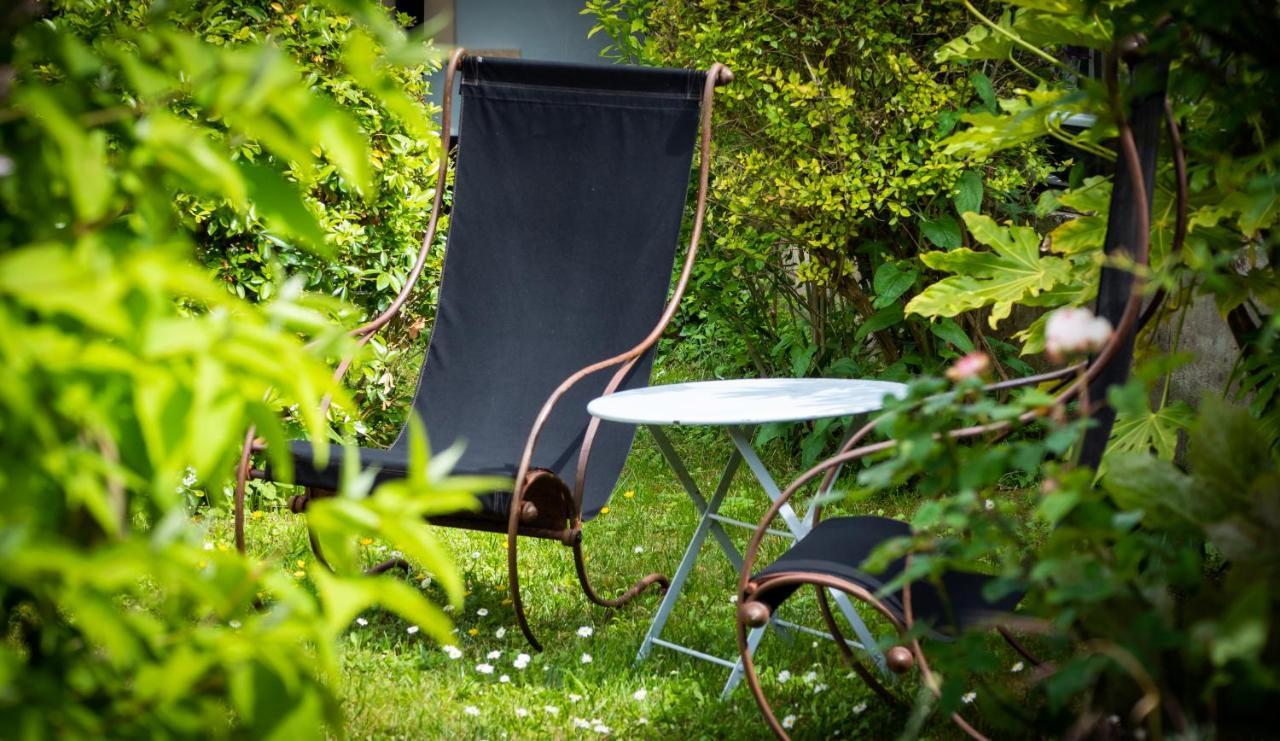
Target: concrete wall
{"x": 553, "y": 30}
{"x": 540, "y": 29}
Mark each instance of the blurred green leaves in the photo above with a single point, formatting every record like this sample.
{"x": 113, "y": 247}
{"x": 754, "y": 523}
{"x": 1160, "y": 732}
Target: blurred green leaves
{"x": 129, "y": 373}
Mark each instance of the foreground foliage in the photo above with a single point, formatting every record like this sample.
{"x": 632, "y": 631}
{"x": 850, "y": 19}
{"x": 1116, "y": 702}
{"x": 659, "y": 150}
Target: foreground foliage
{"x": 130, "y": 376}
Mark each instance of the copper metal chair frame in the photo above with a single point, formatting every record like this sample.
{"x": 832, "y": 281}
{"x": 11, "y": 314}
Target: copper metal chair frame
{"x": 753, "y": 613}
{"x": 523, "y": 519}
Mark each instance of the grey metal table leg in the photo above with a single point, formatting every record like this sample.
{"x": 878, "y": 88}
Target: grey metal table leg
{"x": 705, "y": 525}
{"x": 691, "y": 488}
{"x": 742, "y": 441}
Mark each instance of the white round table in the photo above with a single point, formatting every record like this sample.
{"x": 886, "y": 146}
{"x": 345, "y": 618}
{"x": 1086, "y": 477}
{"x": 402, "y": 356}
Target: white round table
{"x": 738, "y": 406}
{"x": 745, "y": 401}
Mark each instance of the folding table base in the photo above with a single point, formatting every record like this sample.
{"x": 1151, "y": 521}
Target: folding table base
{"x": 712, "y": 522}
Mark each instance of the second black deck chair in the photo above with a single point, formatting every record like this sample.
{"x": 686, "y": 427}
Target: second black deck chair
{"x": 831, "y": 556}
{"x": 569, "y": 192}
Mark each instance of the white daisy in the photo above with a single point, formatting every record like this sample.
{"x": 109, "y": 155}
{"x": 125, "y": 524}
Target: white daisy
{"x": 504, "y": 679}
{"x": 989, "y": 505}
{"x": 784, "y": 676}
{"x": 811, "y": 677}
{"x": 581, "y": 723}
{"x": 475, "y": 555}
{"x": 412, "y": 629}
{"x": 859, "y": 708}
{"x": 601, "y": 729}
{"x": 453, "y": 652}
{"x": 522, "y": 713}
{"x": 819, "y": 688}
{"x": 1016, "y": 667}
{"x": 586, "y": 658}
{"x": 493, "y": 654}
{"x": 482, "y": 612}
{"x": 585, "y": 631}
{"x": 643, "y": 721}
{"x": 499, "y": 633}
{"x": 484, "y": 668}
{"x": 640, "y": 694}
{"x": 789, "y": 722}
{"x": 968, "y": 697}
{"x": 574, "y": 698}
{"x": 471, "y": 710}
{"x": 638, "y": 549}
{"x": 551, "y": 709}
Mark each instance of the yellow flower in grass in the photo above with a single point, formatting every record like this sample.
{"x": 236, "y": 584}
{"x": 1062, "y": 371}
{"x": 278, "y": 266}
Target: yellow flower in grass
{"x": 506, "y": 601}
{"x": 301, "y": 563}
{"x": 629, "y": 493}
{"x": 256, "y": 514}
{"x": 604, "y": 510}
{"x": 366, "y": 541}
{"x": 473, "y": 632}
{"x": 299, "y": 574}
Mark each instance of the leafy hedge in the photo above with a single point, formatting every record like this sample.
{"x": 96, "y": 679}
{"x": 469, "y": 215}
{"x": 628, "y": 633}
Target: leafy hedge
{"x": 375, "y": 232}
{"x": 828, "y": 177}
{"x": 127, "y": 373}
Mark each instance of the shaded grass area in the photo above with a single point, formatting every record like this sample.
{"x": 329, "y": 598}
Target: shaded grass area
{"x": 398, "y": 684}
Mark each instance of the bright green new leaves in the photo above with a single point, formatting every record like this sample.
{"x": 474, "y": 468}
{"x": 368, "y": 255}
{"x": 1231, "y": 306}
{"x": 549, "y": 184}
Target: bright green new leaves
{"x": 1012, "y": 271}
{"x": 1141, "y": 430}
{"x": 1031, "y": 115}
{"x": 129, "y": 374}
{"x": 1056, "y": 26}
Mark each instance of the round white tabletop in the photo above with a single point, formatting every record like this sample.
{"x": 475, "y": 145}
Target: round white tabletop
{"x": 746, "y": 401}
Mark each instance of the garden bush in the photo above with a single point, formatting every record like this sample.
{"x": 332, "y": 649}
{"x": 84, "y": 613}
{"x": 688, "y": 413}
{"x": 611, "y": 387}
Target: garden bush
{"x": 374, "y": 234}
{"x": 828, "y": 180}
{"x": 1151, "y": 586}
{"x": 131, "y": 374}
{"x": 828, "y": 176}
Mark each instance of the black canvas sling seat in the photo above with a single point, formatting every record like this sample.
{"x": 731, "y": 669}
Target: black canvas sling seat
{"x": 569, "y": 193}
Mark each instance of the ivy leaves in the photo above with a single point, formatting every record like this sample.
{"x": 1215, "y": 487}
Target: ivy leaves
{"x": 1012, "y": 271}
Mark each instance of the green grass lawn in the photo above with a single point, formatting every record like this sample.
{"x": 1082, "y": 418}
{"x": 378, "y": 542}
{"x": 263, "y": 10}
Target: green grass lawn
{"x": 398, "y": 684}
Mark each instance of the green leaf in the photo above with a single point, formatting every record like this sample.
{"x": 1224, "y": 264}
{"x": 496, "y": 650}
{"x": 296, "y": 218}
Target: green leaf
{"x": 943, "y": 232}
{"x": 83, "y": 152}
{"x": 985, "y": 90}
{"x": 1079, "y": 235}
{"x": 345, "y": 598}
{"x": 280, "y": 206}
{"x": 1139, "y": 481}
{"x": 891, "y": 280}
{"x": 1011, "y": 272}
{"x": 1139, "y": 429}
{"x": 883, "y": 319}
{"x": 948, "y": 330}
{"x": 968, "y": 195}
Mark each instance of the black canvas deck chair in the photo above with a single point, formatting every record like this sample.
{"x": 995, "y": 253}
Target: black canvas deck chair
{"x": 830, "y": 557}
{"x": 569, "y": 192}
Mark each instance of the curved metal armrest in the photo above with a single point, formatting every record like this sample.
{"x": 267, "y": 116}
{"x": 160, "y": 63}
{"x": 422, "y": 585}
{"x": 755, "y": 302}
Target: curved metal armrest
{"x": 717, "y": 75}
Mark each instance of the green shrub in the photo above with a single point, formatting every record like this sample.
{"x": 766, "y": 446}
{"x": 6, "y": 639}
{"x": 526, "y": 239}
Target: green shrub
{"x": 827, "y": 176}
{"x": 128, "y": 374}
{"x": 374, "y": 235}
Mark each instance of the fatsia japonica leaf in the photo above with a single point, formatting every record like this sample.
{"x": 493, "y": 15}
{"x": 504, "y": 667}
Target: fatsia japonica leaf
{"x": 1012, "y": 271}
{"x": 1022, "y": 119}
{"x": 1139, "y": 428}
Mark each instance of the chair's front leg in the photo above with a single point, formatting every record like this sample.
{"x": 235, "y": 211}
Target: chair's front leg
{"x": 242, "y": 480}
